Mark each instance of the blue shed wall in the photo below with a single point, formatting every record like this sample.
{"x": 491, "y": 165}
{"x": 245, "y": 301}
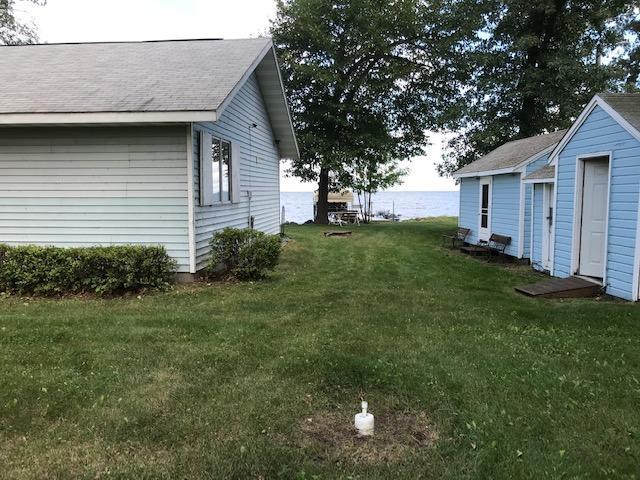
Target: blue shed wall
{"x": 469, "y": 207}
{"x": 600, "y": 133}
{"x": 505, "y": 209}
{"x": 528, "y": 188}
{"x": 538, "y": 164}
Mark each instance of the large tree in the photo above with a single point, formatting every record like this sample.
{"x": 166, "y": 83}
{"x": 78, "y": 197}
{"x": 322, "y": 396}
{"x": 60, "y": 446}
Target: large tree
{"x": 629, "y": 60}
{"x": 535, "y": 64}
{"x": 14, "y": 31}
{"x": 365, "y": 78}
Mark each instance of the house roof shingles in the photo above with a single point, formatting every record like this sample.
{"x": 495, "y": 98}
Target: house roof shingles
{"x": 189, "y": 75}
{"x": 513, "y": 153}
{"x": 626, "y": 104}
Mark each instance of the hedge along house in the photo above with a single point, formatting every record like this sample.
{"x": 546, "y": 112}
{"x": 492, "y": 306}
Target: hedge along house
{"x": 141, "y": 143}
{"x": 587, "y": 200}
{"x": 493, "y": 197}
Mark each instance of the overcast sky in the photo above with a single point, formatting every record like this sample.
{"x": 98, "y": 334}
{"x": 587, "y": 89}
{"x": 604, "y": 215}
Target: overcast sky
{"x": 115, "y": 20}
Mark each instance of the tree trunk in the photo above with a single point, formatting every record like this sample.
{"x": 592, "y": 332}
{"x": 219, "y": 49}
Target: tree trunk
{"x": 322, "y": 207}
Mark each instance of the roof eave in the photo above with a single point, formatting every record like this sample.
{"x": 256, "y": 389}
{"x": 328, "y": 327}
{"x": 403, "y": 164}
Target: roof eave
{"x": 287, "y": 147}
{"x": 539, "y": 180}
{"x": 485, "y": 173}
{"x": 77, "y": 118}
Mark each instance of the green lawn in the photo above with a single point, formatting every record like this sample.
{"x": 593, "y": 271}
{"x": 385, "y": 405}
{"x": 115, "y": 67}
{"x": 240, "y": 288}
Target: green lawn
{"x": 220, "y": 381}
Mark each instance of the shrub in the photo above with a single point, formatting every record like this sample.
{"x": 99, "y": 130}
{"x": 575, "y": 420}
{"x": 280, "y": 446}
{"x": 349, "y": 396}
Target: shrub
{"x": 101, "y": 270}
{"x": 244, "y": 254}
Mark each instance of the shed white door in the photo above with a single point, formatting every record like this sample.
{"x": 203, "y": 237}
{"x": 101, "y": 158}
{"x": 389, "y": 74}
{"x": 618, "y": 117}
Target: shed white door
{"x": 547, "y": 225}
{"x": 484, "y": 223}
{"x": 595, "y": 192}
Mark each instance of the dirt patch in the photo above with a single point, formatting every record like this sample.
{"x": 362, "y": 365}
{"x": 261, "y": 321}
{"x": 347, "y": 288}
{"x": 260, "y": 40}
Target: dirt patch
{"x": 396, "y": 435}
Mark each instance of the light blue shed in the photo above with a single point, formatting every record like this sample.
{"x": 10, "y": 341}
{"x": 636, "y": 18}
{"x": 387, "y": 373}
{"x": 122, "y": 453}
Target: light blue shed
{"x": 596, "y": 177}
{"x": 493, "y": 196}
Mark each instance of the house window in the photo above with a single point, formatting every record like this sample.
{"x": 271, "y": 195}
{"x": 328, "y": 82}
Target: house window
{"x": 221, "y": 169}
{"x": 484, "y": 208}
{"x": 225, "y": 176}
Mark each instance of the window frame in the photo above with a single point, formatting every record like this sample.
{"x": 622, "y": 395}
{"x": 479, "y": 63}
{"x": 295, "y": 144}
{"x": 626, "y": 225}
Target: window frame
{"x": 222, "y": 195}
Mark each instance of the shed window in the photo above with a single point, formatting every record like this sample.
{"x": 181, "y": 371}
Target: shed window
{"x": 221, "y": 169}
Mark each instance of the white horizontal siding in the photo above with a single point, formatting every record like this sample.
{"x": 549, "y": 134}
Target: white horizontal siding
{"x": 259, "y": 170}
{"x": 84, "y": 186}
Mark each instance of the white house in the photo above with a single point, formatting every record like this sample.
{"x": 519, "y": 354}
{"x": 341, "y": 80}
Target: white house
{"x": 141, "y": 143}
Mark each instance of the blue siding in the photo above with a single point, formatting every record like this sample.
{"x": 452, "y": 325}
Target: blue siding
{"x": 538, "y": 214}
{"x": 505, "y": 209}
{"x": 526, "y": 251}
{"x": 538, "y": 163}
{"x": 469, "y": 208}
{"x": 601, "y": 133}
{"x": 532, "y": 167}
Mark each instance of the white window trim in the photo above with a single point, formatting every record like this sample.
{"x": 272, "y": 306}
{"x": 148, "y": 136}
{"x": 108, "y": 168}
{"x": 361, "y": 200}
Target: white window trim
{"x": 230, "y": 179}
{"x": 554, "y": 202}
{"x": 547, "y": 242}
{"x": 489, "y": 181}
{"x": 635, "y": 293}
{"x": 521, "y": 218}
{"x": 203, "y": 158}
{"x": 533, "y": 211}
{"x": 191, "y": 201}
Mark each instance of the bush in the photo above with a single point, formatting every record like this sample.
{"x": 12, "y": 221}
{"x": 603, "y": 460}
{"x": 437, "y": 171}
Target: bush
{"x": 244, "y": 254}
{"x": 101, "y": 270}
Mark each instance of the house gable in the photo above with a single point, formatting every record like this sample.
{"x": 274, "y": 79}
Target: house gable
{"x": 598, "y": 131}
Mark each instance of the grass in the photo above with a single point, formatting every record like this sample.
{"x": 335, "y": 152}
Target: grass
{"x": 218, "y": 381}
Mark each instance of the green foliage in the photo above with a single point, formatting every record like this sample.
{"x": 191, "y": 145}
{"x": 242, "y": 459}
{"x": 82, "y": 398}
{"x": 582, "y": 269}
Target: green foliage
{"x": 102, "y": 270}
{"x": 535, "y": 65}
{"x": 14, "y": 31}
{"x": 365, "y": 79}
{"x": 244, "y": 254}
{"x": 629, "y": 61}
{"x": 372, "y": 176}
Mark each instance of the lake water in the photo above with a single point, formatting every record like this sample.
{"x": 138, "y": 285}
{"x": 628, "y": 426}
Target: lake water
{"x": 299, "y": 205}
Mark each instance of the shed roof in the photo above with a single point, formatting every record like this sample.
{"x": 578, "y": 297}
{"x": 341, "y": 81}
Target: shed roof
{"x": 508, "y": 156}
{"x": 544, "y": 173}
{"x": 54, "y": 83}
{"x": 626, "y": 104}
